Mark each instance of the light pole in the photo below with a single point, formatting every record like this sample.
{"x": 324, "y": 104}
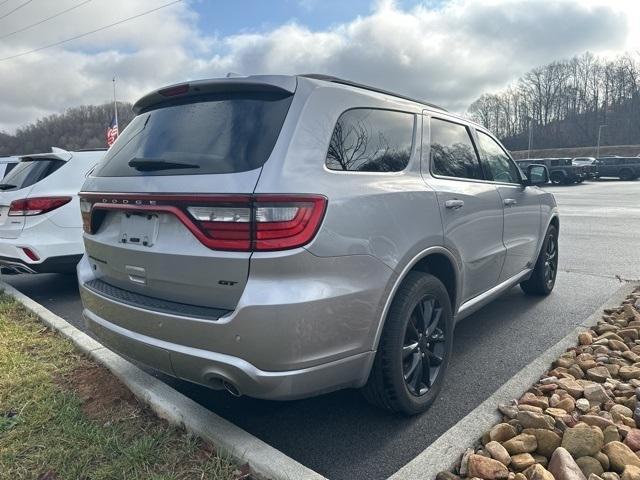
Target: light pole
{"x": 530, "y": 137}
{"x": 599, "y": 135}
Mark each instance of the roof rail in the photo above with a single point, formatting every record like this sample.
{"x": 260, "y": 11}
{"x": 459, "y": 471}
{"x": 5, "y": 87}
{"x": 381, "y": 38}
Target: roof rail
{"x": 342, "y": 81}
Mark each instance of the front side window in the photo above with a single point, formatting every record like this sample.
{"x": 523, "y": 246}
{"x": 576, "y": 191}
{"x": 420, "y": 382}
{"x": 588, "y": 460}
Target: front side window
{"x": 499, "y": 165}
{"x": 370, "y": 140}
{"x": 452, "y": 153}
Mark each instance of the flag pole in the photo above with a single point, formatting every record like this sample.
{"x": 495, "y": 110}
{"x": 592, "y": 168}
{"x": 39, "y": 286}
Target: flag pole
{"x": 115, "y": 103}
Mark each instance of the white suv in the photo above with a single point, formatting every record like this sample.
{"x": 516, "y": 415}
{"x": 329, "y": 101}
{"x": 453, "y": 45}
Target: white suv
{"x": 40, "y": 223}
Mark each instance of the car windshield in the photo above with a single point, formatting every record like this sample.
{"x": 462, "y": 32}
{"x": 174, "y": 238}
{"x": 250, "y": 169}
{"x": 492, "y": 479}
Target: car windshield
{"x": 221, "y": 133}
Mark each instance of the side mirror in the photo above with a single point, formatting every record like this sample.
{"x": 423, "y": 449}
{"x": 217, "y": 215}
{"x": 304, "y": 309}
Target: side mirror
{"x": 537, "y": 175}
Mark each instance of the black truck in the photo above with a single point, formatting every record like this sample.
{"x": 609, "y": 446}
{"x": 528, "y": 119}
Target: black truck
{"x": 624, "y": 168}
{"x": 561, "y": 170}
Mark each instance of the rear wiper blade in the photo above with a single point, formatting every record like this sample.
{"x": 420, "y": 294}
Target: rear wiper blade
{"x": 6, "y": 186}
{"x": 148, "y": 164}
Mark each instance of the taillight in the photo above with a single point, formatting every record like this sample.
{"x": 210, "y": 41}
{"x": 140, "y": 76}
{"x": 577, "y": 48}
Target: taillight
{"x": 283, "y": 222}
{"x": 227, "y": 227}
{"x": 36, "y": 206}
{"x": 85, "y": 210}
{"x": 223, "y": 222}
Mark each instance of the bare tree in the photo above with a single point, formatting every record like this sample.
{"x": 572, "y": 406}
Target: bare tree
{"x": 76, "y": 128}
{"x": 567, "y": 102}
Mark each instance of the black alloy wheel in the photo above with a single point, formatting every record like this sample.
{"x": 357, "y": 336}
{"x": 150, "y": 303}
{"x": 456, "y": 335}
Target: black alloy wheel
{"x": 424, "y": 346}
{"x": 415, "y": 347}
{"x": 543, "y": 277}
{"x": 551, "y": 261}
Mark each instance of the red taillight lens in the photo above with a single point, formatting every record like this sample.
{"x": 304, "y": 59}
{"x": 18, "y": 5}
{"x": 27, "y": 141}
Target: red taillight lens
{"x": 228, "y": 227}
{"x": 36, "y": 206}
{"x": 223, "y": 222}
{"x": 85, "y": 210}
{"x": 286, "y": 222}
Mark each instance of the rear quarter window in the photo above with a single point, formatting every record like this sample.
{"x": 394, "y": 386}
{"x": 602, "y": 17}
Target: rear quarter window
{"x": 371, "y": 140}
{"x": 29, "y": 172}
{"x": 221, "y": 133}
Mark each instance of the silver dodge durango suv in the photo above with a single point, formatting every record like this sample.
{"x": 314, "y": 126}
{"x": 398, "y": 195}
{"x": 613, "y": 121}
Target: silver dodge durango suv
{"x": 285, "y": 236}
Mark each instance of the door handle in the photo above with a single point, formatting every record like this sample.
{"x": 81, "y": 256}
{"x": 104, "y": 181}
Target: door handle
{"x": 509, "y": 202}
{"x": 454, "y": 204}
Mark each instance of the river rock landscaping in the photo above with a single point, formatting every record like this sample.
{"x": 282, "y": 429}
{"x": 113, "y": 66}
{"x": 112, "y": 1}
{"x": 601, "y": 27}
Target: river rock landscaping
{"x": 580, "y": 421}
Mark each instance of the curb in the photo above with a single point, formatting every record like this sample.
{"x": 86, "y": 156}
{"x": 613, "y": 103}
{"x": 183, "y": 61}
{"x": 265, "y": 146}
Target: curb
{"x": 242, "y": 447}
{"x": 446, "y": 450}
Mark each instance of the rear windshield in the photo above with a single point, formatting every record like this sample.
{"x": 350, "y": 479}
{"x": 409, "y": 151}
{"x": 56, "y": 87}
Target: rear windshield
{"x": 29, "y": 172}
{"x": 222, "y": 133}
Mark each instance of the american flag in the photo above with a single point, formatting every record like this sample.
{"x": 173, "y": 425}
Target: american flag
{"x": 112, "y": 131}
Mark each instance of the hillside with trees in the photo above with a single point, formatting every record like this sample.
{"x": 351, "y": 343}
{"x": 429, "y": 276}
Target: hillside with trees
{"x": 76, "y": 128}
{"x": 565, "y": 103}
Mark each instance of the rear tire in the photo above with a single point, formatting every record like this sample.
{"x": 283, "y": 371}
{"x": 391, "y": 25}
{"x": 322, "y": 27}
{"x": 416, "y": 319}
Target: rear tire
{"x": 413, "y": 354}
{"x": 557, "y": 178}
{"x": 543, "y": 278}
{"x": 625, "y": 174}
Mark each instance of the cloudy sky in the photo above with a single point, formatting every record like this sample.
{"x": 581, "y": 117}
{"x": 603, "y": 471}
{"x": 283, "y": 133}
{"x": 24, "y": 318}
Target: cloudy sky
{"x": 446, "y": 51}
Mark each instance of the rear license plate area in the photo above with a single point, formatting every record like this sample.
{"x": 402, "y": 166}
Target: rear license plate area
{"x": 139, "y": 229}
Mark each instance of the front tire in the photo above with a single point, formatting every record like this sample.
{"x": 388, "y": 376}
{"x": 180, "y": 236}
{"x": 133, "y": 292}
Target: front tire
{"x": 543, "y": 278}
{"x": 415, "y": 347}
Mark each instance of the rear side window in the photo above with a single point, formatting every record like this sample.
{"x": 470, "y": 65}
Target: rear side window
{"x": 10, "y": 166}
{"x": 29, "y": 172}
{"x": 452, "y": 152}
{"x": 370, "y": 140}
{"x": 221, "y": 133}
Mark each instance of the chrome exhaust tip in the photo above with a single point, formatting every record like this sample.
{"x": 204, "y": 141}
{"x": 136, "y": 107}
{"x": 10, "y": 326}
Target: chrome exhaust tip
{"x": 231, "y": 388}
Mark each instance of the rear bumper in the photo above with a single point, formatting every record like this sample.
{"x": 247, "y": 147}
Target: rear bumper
{"x": 211, "y": 369}
{"x": 64, "y": 264}
{"x": 58, "y": 249}
{"x": 304, "y": 328}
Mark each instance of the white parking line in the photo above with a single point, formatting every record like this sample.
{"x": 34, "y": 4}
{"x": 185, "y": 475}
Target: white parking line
{"x": 443, "y": 453}
{"x": 265, "y": 461}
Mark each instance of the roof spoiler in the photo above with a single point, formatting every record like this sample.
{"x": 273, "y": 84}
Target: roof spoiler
{"x": 55, "y": 154}
{"x": 254, "y": 83}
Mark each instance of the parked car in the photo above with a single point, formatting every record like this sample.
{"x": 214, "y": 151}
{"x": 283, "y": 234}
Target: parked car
{"x": 561, "y": 170}
{"x": 7, "y": 164}
{"x": 589, "y": 164}
{"x": 40, "y": 222}
{"x": 282, "y": 237}
{"x": 625, "y": 168}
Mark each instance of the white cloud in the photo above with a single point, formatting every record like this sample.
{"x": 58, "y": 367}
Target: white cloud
{"x": 448, "y": 54}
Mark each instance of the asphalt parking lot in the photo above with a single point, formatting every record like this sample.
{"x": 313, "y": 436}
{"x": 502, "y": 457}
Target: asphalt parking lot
{"x": 342, "y": 437}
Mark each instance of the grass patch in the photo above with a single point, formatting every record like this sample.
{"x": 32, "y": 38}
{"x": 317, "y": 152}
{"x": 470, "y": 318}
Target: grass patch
{"x": 64, "y": 417}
